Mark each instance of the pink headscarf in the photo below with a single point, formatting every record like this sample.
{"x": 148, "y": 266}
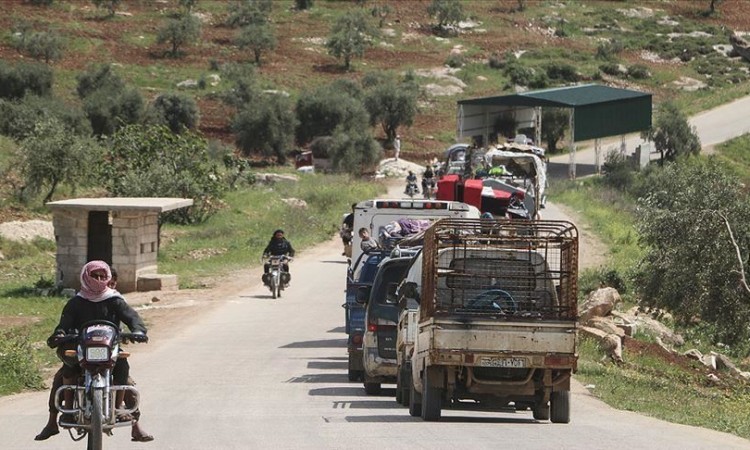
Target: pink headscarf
{"x": 92, "y": 289}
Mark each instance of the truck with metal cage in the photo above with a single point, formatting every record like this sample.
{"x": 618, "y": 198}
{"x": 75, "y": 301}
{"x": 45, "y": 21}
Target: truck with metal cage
{"x": 496, "y": 318}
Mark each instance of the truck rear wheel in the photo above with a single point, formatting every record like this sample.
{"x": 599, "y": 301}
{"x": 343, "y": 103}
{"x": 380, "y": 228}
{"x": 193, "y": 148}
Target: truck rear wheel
{"x": 560, "y": 407}
{"x": 406, "y": 384}
{"x": 541, "y": 410}
{"x": 415, "y": 401}
{"x": 372, "y": 388}
{"x": 432, "y": 396}
{"x": 399, "y": 392}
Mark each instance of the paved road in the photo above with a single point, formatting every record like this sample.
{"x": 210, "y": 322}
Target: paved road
{"x": 262, "y": 373}
{"x": 713, "y": 127}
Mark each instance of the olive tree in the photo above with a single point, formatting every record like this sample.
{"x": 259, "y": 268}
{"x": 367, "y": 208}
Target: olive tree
{"x": 325, "y": 109}
{"x": 247, "y": 12}
{"x": 350, "y": 36}
{"x": 672, "y": 134}
{"x": 694, "y": 223}
{"x": 151, "y": 161}
{"x": 179, "y": 33}
{"x": 107, "y": 101}
{"x": 266, "y": 127}
{"x": 258, "y": 38}
{"x": 555, "y": 122}
{"x": 178, "y": 112}
{"x": 392, "y": 103}
{"x": 446, "y": 12}
{"x": 52, "y": 156}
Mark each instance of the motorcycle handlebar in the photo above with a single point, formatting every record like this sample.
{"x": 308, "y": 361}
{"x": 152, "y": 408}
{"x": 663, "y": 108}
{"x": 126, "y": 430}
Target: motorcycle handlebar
{"x": 59, "y": 339}
{"x": 133, "y": 337}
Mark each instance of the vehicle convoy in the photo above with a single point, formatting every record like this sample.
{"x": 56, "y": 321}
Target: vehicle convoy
{"x": 95, "y": 411}
{"x": 507, "y": 180}
{"x": 496, "y": 318}
{"x": 377, "y": 215}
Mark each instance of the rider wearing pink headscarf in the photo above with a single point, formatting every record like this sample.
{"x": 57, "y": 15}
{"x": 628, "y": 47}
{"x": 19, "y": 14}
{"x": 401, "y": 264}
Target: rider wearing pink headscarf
{"x": 96, "y": 300}
{"x": 94, "y": 288}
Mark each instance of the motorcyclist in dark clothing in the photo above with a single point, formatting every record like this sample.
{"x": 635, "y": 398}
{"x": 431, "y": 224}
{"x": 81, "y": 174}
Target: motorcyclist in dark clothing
{"x": 411, "y": 180}
{"x": 428, "y": 178}
{"x": 96, "y": 300}
{"x": 277, "y": 246}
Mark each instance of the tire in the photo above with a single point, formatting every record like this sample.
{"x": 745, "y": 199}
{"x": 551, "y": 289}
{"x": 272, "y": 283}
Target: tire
{"x": 95, "y": 432}
{"x": 560, "y": 407}
{"x": 406, "y": 385}
{"x": 274, "y": 288}
{"x": 353, "y": 375}
{"x": 432, "y": 396}
{"x": 540, "y": 411}
{"x": 415, "y": 401}
{"x": 372, "y": 388}
{"x": 399, "y": 393}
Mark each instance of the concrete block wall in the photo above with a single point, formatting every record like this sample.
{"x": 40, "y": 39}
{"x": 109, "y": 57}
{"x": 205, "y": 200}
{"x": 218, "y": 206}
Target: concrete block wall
{"x": 71, "y": 236}
{"x": 135, "y": 237}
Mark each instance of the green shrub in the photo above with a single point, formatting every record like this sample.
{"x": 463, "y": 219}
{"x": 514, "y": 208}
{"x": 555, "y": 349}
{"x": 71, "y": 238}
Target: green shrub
{"x": 18, "y": 366}
{"x": 178, "y": 112}
{"x": 639, "y": 72}
{"x": 25, "y": 78}
{"x": 455, "y": 60}
{"x": 609, "y": 50}
{"x": 618, "y": 171}
{"x": 562, "y": 72}
{"x": 610, "y": 68}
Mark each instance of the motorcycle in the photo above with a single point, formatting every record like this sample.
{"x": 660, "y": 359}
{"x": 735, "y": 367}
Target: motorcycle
{"x": 411, "y": 189}
{"x": 95, "y": 409}
{"x": 428, "y": 187}
{"x": 277, "y": 278}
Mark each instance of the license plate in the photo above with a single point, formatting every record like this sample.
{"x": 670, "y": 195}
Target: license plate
{"x": 515, "y": 363}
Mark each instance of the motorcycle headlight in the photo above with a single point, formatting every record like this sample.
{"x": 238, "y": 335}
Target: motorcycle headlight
{"x": 97, "y": 354}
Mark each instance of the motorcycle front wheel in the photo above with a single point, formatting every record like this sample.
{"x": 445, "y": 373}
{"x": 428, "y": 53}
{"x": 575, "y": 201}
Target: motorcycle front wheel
{"x": 95, "y": 432}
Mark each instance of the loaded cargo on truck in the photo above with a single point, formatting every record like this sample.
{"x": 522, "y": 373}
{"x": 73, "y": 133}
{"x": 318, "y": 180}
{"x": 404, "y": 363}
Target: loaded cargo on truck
{"x": 496, "y": 318}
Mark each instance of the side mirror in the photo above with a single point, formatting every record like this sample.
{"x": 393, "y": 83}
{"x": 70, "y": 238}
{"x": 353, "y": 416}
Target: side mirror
{"x": 408, "y": 290}
{"x": 363, "y": 294}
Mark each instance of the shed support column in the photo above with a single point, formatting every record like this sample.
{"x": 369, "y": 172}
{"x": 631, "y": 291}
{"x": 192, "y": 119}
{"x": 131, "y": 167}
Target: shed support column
{"x": 623, "y": 145}
{"x": 538, "y": 126}
{"x": 572, "y": 166}
{"x": 598, "y": 155}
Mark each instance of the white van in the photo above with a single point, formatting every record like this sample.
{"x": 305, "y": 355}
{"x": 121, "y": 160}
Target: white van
{"x": 378, "y": 214}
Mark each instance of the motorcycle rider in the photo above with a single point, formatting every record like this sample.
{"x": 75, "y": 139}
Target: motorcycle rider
{"x": 347, "y": 228}
{"x": 97, "y": 300}
{"x": 428, "y": 178}
{"x": 411, "y": 179}
{"x": 277, "y": 246}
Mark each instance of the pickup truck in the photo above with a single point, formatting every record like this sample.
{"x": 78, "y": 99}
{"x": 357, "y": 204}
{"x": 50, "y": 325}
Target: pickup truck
{"x": 496, "y": 319}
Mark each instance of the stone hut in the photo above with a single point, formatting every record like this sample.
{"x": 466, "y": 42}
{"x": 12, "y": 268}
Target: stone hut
{"x": 122, "y": 231}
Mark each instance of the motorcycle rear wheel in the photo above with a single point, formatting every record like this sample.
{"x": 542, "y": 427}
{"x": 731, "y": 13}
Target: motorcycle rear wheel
{"x": 95, "y": 432}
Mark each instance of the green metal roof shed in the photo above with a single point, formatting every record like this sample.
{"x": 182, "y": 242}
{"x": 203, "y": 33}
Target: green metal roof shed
{"x": 597, "y": 111}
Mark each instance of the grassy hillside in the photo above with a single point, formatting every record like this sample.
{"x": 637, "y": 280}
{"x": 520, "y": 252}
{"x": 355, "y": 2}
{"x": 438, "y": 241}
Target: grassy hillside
{"x": 545, "y": 33}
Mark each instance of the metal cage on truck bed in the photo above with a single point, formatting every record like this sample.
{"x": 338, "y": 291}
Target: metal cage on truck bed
{"x": 509, "y": 269}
